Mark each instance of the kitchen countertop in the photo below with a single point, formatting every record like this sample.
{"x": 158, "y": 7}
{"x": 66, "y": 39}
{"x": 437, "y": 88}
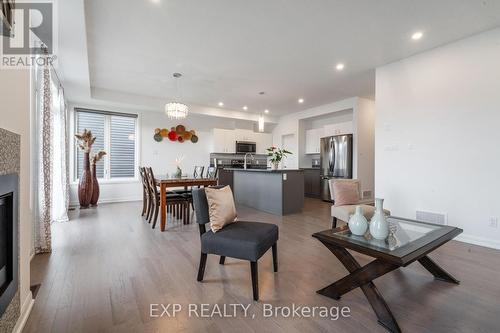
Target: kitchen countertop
{"x": 311, "y": 168}
{"x": 265, "y": 170}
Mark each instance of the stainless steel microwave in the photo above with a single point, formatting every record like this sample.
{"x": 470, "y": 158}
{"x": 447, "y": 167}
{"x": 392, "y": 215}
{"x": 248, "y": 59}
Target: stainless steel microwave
{"x": 243, "y": 147}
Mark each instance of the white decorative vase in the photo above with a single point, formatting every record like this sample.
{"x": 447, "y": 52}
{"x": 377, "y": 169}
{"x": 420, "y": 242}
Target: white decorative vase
{"x": 379, "y": 227}
{"x": 275, "y": 165}
{"x": 358, "y": 223}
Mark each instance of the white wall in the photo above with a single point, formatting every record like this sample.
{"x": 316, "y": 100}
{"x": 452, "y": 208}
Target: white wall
{"x": 15, "y": 111}
{"x": 437, "y": 135}
{"x": 161, "y": 155}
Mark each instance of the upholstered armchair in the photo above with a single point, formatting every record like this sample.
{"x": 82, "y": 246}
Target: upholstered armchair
{"x": 344, "y": 211}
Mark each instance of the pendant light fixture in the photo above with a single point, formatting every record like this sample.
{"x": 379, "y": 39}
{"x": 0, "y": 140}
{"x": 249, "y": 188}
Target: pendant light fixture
{"x": 175, "y": 109}
{"x": 261, "y": 123}
{"x": 261, "y": 117}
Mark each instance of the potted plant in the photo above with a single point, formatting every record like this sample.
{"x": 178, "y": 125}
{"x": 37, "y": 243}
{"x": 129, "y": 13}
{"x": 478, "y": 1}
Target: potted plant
{"x": 178, "y": 164}
{"x": 276, "y": 156}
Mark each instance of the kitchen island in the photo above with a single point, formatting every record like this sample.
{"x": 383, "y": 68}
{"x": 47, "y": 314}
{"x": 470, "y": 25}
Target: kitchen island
{"x": 278, "y": 192}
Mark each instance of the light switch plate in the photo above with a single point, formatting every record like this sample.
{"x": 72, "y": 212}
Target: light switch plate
{"x": 284, "y": 176}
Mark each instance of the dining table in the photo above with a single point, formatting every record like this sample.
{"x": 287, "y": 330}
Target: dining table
{"x": 165, "y": 181}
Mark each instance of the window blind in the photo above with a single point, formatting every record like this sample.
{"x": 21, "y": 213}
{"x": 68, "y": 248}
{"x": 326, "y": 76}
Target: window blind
{"x": 122, "y": 155}
{"x": 94, "y": 122}
{"x": 116, "y": 134}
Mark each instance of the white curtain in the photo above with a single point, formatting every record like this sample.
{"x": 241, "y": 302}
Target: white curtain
{"x": 52, "y": 157}
{"x": 60, "y": 181}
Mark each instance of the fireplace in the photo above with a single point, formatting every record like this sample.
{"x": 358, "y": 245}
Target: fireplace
{"x": 8, "y": 240}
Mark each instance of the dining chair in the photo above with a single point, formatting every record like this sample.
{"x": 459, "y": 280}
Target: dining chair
{"x": 176, "y": 204}
{"x": 145, "y": 192}
{"x": 198, "y": 171}
{"x": 211, "y": 172}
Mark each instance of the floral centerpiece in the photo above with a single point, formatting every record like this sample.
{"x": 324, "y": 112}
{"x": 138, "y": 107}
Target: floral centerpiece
{"x": 178, "y": 164}
{"x": 276, "y": 156}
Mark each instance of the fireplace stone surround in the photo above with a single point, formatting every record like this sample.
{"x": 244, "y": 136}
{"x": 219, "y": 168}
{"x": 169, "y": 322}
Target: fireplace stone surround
{"x": 10, "y": 145}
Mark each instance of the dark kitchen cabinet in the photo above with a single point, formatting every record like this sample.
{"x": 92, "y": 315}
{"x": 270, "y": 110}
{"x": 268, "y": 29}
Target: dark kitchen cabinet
{"x": 312, "y": 183}
{"x": 226, "y": 177}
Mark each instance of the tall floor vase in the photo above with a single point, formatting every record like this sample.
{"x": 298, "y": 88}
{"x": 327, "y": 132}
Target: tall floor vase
{"x": 85, "y": 189}
{"x": 95, "y": 187}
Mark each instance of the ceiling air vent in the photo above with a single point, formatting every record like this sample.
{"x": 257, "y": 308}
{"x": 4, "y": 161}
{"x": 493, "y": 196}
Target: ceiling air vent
{"x": 430, "y": 217}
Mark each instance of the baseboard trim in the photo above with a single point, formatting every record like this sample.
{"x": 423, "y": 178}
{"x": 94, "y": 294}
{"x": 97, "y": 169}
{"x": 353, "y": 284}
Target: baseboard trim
{"x": 111, "y": 200}
{"x": 25, "y": 313}
{"x": 481, "y": 241}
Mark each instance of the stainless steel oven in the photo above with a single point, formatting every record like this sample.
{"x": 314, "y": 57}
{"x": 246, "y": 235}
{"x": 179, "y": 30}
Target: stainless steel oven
{"x": 243, "y": 147}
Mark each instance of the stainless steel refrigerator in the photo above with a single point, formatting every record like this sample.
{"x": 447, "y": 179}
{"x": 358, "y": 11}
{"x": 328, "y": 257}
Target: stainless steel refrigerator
{"x": 336, "y": 161}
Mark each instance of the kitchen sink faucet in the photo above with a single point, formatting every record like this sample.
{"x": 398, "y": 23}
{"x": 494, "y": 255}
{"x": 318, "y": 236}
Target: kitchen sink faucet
{"x": 245, "y": 160}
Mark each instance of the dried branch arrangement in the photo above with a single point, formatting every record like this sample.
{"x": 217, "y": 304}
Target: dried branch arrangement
{"x": 85, "y": 140}
{"x": 97, "y": 157}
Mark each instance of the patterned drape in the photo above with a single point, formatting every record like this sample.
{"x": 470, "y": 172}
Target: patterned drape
{"x": 52, "y": 159}
{"x": 43, "y": 237}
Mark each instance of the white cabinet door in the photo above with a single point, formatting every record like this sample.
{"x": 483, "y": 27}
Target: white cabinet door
{"x": 230, "y": 141}
{"x": 313, "y": 140}
{"x": 263, "y": 141}
{"x": 224, "y": 141}
{"x": 244, "y": 135}
{"x": 310, "y": 134}
{"x": 339, "y": 128}
{"x": 219, "y": 140}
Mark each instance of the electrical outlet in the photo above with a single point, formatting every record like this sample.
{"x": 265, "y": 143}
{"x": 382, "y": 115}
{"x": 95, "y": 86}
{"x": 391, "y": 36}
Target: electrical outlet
{"x": 493, "y": 222}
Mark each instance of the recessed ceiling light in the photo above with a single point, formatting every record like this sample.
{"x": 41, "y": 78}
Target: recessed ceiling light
{"x": 340, "y": 66}
{"x": 417, "y": 35}
{"x": 245, "y": 108}
{"x": 301, "y": 100}
{"x": 266, "y": 111}
{"x": 221, "y": 104}
{"x": 155, "y": 1}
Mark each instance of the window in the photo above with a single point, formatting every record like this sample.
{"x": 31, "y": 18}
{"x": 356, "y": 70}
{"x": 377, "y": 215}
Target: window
{"x": 116, "y": 134}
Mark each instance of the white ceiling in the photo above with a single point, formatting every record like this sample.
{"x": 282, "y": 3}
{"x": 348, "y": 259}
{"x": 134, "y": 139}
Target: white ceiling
{"x": 229, "y": 50}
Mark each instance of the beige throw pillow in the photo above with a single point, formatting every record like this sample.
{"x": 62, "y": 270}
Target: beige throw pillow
{"x": 221, "y": 208}
{"x": 345, "y": 193}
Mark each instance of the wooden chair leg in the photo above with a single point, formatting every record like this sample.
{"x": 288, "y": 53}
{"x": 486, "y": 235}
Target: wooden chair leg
{"x": 222, "y": 260}
{"x": 201, "y": 268}
{"x": 334, "y": 222}
{"x": 148, "y": 209}
{"x": 157, "y": 208}
{"x": 186, "y": 212}
{"x": 144, "y": 202}
{"x": 275, "y": 257}
{"x": 255, "y": 280}
{"x": 152, "y": 208}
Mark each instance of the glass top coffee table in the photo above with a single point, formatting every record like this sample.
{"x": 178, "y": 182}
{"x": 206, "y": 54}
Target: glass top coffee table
{"x": 408, "y": 241}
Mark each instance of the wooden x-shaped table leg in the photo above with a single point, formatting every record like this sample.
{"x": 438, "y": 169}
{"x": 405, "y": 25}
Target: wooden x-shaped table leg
{"x": 362, "y": 277}
{"x": 438, "y": 272}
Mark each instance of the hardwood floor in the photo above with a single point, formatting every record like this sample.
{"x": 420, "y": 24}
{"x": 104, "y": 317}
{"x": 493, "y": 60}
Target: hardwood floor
{"x": 108, "y": 266}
